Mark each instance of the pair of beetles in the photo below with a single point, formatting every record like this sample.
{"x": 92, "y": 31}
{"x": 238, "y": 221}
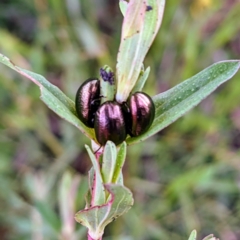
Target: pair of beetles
{"x": 111, "y": 120}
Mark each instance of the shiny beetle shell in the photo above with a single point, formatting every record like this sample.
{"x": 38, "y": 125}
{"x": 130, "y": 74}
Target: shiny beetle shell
{"x": 141, "y": 114}
{"x": 110, "y": 124}
{"x": 87, "y": 101}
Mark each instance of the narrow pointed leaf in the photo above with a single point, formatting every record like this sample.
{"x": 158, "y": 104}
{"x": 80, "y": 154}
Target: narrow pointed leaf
{"x": 123, "y": 6}
{"x": 107, "y": 83}
{"x": 109, "y": 162}
{"x": 97, "y": 188}
{"x": 193, "y": 235}
{"x": 53, "y": 97}
{"x": 140, "y": 26}
{"x": 177, "y": 101}
{"x": 141, "y": 81}
{"x": 121, "y": 156}
{"x": 88, "y": 196}
{"x": 98, "y": 217}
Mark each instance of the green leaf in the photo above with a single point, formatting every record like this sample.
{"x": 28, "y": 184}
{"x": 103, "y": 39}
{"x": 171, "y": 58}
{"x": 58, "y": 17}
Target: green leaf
{"x": 88, "y": 196}
{"x": 123, "y": 6}
{"x": 141, "y": 81}
{"x": 193, "y": 235}
{"x": 113, "y": 162}
{"x": 140, "y": 26}
{"x": 107, "y": 88}
{"x": 121, "y": 157}
{"x": 53, "y": 97}
{"x": 96, "y": 181}
{"x": 109, "y": 162}
{"x": 177, "y": 101}
{"x": 98, "y": 217}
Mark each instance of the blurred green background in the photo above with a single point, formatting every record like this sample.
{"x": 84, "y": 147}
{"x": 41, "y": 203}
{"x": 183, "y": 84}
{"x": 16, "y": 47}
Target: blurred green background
{"x": 186, "y": 177}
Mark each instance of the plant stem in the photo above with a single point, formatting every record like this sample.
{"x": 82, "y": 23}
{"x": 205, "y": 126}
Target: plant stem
{"x": 90, "y": 238}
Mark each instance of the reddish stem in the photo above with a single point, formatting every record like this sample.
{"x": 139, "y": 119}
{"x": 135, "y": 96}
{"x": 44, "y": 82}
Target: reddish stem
{"x": 89, "y": 238}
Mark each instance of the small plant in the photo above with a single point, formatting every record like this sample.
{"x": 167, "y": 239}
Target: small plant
{"x": 119, "y": 93}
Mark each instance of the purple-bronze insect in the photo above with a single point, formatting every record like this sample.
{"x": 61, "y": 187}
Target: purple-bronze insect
{"x": 139, "y": 113}
{"x": 110, "y": 124}
{"x": 88, "y": 101}
{"x": 112, "y": 121}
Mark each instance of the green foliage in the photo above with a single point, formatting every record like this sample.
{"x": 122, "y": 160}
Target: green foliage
{"x": 169, "y": 105}
{"x": 53, "y": 97}
{"x": 193, "y": 235}
{"x": 108, "y": 198}
{"x": 184, "y": 178}
{"x": 138, "y": 32}
{"x": 178, "y": 100}
{"x": 98, "y": 217}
